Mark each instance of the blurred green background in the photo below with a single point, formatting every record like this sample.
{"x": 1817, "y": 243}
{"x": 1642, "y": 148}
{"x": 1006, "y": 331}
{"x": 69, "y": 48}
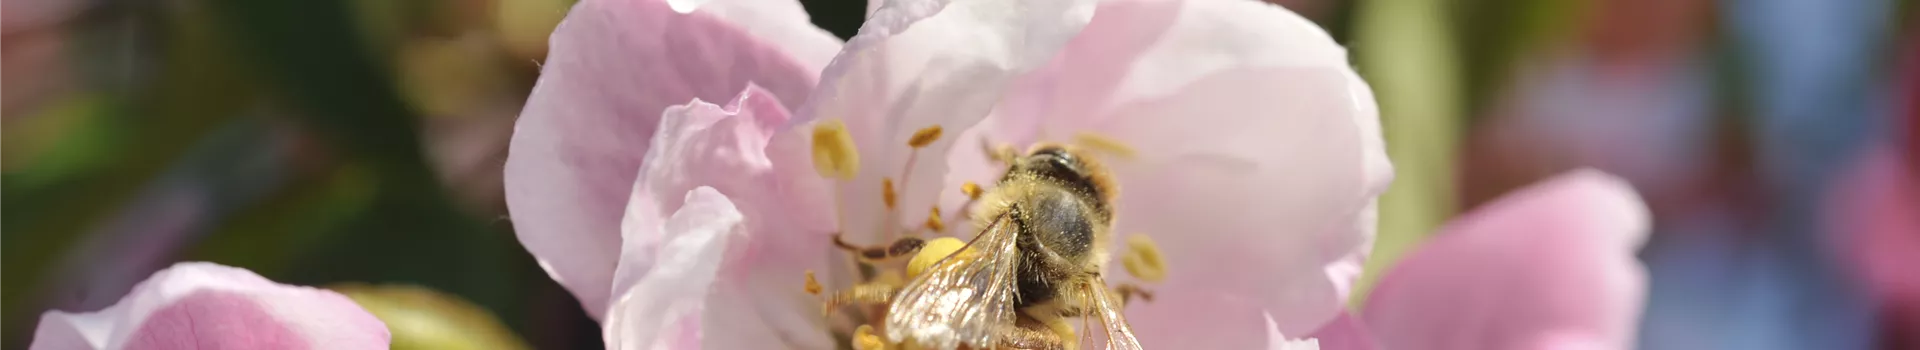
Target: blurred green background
{"x": 360, "y": 141}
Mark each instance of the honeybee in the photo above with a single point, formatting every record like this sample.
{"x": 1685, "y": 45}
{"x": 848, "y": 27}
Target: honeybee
{"x": 1035, "y": 262}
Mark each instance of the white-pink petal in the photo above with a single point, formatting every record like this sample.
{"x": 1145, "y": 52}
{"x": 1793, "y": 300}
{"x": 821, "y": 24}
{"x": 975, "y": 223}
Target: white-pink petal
{"x": 1550, "y": 266}
{"x": 782, "y": 23}
{"x": 785, "y": 225}
{"x": 209, "y": 306}
{"x": 1138, "y": 50}
{"x": 703, "y": 145}
{"x": 1343, "y": 333}
{"x": 1259, "y": 158}
{"x": 1263, "y": 208}
{"x": 614, "y": 66}
{"x": 923, "y": 63}
{"x": 1278, "y": 341}
{"x": 662, "y": 308}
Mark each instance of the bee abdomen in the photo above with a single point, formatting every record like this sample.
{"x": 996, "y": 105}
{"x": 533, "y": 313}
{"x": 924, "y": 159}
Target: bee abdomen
{"x": 1056, "y": 233}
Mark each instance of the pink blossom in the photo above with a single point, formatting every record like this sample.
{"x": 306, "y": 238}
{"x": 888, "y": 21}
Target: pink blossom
{"x": 1549, "y": 266}
{"x": 663, "y": 170}
{"x": 32, "y": 15}
{"x": 209, "y": 306}
{"x": 1873, "y": 214}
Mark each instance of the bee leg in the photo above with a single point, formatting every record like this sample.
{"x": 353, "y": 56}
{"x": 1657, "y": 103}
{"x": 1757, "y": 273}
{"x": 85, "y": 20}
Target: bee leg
{"x": 905, "y": 246}
{"x": 999, "y": 152}
{"x": 1042, "y": 327}
{"x": 862, "y": 294}
{"x": 1127, "y": 291}
{"x": 1033, "y": 335}
{"x": 1103, "y": 144}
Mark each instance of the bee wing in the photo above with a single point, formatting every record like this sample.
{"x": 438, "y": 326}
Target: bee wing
{"x": 964, "y": 298}
{"x": 1114, "y": 327}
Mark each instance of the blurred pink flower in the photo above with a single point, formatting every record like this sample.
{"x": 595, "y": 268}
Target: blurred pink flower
{"x": 1641, "y": 118}
{"x": 1549, "y": 266}
{"x": 1257, "y": 155}
{"x": 209, "y": 306}
{"x": 31, "y": 15}
{"x": 1873, "y": 212}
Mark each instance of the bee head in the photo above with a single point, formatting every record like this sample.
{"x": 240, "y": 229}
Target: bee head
{"x": 1055, "y": 162}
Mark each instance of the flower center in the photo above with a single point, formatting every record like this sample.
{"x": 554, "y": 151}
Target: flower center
{"x": 884, "y": 271}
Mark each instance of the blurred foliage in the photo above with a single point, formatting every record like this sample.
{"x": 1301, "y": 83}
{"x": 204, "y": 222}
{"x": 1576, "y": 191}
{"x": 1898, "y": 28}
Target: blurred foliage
{"x": 447, "y": 76}
{"x": 323, "y": 70}
{"x": 1405, "y": 51}
{"x": 1493, "y": 35}
{"x": 129, "y": 131}
{"x": 348, "y": 195}
{"x": 71, "y": 137}
{"x": 423, "y": 319}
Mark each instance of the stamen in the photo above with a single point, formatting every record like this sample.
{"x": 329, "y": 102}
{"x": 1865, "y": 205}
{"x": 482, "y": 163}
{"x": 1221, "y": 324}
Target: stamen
{"x": 813, "y": 285}
{"x": 906, "y": 174}
{"x": 920, "y": 139}
{"x": 1143, "y": 259}
{"x": 887, "y": 193}
{"x": 924, "y": 137}
{"x": 834, "y": 155}
{"x": 933, "y": 221}
{"x": 936, "y": 249}
{"x": 972, "y": 190}
{"x": 1104, "y": 144}
{"x": 864, "y": 339}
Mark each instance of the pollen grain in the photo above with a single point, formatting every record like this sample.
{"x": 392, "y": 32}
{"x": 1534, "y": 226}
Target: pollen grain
{"x": 888, "y": 194}
{"x": 972, "y": 190}
{"x": 813, "y": 285}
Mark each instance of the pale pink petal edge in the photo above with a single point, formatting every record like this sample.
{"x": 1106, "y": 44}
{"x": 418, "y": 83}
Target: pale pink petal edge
{"x": 314, "y": 318}
{"x": 1554, "y": 260}
{"x": 613, "y": 69}
{"x": 662, "y": 309}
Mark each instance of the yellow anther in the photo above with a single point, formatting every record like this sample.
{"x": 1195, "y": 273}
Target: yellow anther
{"x": 933, "y": 221}
{"x": 1143, "y": 259}
{"x": 813, "y": 285}
{"x": 924, "y": 137}
{"x": 1104, "y": 144}
{"x": 864, "y": 339}
{"x": 972, "y": 190}
{"x": 834, "y": 155}
{"x": 887, "y": 193}
{"x": 932, "y": 252}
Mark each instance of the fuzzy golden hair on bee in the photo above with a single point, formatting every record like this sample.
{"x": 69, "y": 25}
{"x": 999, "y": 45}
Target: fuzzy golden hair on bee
{"x": 1069, "y": 165}
{"x": 1035, "y": 261}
